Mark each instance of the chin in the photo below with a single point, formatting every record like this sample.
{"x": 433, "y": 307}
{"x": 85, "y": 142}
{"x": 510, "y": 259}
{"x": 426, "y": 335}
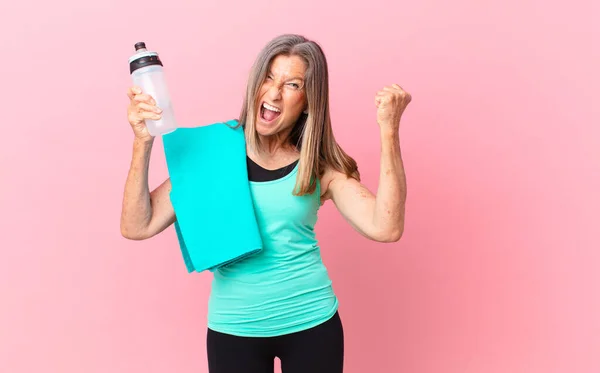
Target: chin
{"x": 267, "y": 129}
{"x": 265, "y": 132}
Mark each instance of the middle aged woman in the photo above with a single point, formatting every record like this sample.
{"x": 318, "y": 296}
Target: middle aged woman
{"x": 280, "y": 302}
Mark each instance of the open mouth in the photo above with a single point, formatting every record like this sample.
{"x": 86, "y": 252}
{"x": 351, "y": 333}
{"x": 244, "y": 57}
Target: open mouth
{"x": 269, "y": 113}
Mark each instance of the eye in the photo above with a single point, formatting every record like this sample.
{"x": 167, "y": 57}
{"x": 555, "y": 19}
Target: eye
{"x": 294, "y": 85}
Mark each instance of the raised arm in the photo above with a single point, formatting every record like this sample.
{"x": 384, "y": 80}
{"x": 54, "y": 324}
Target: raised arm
{"x": 144, "y": 213}
{"x": 380, "y": 216}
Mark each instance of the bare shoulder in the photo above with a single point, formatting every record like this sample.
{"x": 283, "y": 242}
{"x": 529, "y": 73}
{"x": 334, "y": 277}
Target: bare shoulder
{"x": 337, "y": 186}
{"x": 331, "y": 179}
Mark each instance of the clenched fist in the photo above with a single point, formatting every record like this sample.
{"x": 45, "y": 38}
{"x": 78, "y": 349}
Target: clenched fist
{"x": 391, "y": 102}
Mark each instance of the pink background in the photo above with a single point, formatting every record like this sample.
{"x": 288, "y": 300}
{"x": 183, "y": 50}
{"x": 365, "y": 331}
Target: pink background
{"x": 498, "y": 267}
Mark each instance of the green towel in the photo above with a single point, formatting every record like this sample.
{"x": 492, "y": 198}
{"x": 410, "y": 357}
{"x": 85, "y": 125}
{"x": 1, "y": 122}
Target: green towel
{"x": 215, "y": 220}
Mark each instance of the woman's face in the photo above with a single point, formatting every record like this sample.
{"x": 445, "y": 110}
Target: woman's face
{"x": 281, "y": 98}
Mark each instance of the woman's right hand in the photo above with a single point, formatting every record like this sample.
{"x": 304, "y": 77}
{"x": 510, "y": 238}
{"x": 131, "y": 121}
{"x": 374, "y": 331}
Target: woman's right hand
{"x": 141, "y": 107}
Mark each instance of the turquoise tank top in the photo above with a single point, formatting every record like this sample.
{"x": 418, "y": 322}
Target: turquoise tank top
{"x": 285, "y": 288}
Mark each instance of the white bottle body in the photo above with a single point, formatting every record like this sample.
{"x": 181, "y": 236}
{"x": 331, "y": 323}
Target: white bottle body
{"x": 151, "y": 79}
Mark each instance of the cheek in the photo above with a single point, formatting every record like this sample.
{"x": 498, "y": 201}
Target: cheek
{"x": 262, "y": 91}
{"x": 296, "y": 103}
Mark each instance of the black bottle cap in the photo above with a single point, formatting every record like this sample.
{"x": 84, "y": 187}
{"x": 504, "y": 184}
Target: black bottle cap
{"x": 146, "y": 59}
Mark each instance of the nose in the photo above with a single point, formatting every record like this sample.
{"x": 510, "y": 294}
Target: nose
{"x": 274, "y": 92}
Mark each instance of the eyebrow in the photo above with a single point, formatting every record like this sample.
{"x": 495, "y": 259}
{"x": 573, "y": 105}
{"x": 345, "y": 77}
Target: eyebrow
{"x": 291, "y": 78}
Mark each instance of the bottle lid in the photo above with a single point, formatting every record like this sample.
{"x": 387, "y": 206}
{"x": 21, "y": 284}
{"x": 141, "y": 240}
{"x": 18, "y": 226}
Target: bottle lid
{"x": 143, "y": 58}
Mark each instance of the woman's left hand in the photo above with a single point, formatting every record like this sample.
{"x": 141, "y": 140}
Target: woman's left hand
{"x": 391, "y": 102}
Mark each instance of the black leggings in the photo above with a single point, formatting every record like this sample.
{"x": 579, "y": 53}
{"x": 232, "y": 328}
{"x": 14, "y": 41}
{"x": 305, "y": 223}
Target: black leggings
{"x": 316, "y": 350}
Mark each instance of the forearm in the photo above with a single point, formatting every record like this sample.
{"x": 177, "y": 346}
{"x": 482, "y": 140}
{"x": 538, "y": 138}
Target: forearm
{"x": 390, "y": 199}
{"x": 137, "y": 208}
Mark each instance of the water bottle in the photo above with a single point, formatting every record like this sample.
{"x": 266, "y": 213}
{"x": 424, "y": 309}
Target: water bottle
{"x": 147, "y": 72}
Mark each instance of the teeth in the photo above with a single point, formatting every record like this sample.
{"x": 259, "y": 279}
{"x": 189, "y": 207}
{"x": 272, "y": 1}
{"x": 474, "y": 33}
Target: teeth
{"x": 272, "y": 108}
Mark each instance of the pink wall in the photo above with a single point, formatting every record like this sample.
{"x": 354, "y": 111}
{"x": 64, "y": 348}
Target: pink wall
{"x": 498, "y": 268}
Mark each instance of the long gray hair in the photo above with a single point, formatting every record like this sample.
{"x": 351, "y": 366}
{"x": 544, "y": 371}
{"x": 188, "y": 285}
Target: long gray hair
{"x": 312, "y": 135}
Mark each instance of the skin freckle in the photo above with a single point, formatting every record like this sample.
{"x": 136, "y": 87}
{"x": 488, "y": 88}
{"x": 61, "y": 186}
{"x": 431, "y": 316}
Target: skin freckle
{"x": 360, "y": 193}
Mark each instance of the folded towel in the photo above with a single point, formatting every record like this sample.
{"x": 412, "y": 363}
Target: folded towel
{"x": 215, "y": 220}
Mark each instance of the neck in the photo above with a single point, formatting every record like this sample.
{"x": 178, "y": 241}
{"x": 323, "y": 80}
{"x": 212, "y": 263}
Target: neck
{"x": 271, "y": 145}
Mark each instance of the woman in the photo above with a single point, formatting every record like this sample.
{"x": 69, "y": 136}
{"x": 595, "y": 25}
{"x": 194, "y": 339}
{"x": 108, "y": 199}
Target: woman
{"x": 280, "y": 302}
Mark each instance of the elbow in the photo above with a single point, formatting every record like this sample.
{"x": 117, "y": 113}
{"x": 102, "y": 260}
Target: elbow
{"x": 393, "y": 234}
{"x": 129, "y": 235}
{"x": 133, "y": 237}
{"x": 390, "y": 237}
{"x": 132, "y": 234}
